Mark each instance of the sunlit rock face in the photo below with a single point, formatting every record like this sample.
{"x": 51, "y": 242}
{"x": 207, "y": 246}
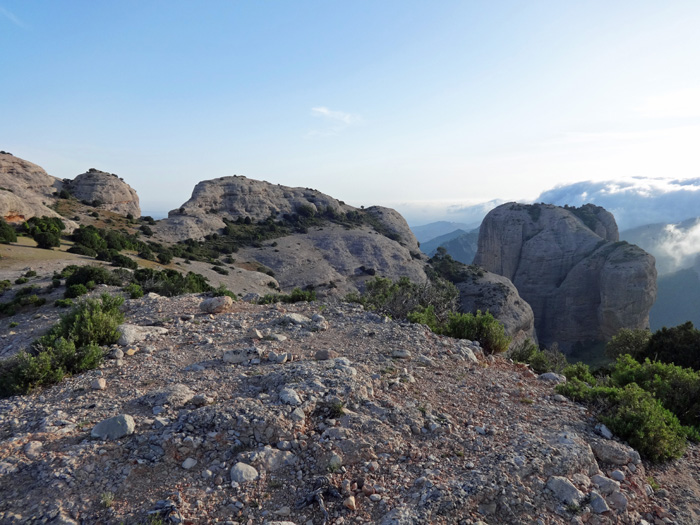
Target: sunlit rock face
{"x": 582, "y": 283}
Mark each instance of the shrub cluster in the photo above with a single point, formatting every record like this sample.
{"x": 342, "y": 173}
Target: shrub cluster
{"x": 297, "y": 295}
{"x": 679, "y": 345}
{"x": 46, "y": 231}
{"x": 433, "y": 304}
{"x": 71, "y": 346}
{"x": 654, "y": 406}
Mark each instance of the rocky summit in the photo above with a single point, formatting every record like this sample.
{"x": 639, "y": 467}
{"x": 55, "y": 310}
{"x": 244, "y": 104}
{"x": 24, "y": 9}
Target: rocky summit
{"x": 316, "y": 413}
{"x": 106, "y": 190}
{"x": 27, "y": 191}
{"x": 582, "y": 283}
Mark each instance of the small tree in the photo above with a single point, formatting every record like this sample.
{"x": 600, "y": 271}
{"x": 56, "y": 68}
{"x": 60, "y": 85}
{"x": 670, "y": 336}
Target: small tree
{"x": 7, "y": 233}
{"x": 47, "y": 240}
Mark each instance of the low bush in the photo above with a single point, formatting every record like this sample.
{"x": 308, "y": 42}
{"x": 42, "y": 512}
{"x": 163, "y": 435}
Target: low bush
{"x": 86, "y": 274}
{"x": 297, "y": 295}
{"x": 79, "y": 249}
{"x": 47, "y": 240}
{"x": 93, "y": 321}
{"x": 134, "y": 290}
{"x": 75, "y": 290}
{"x": 482, "y": 327}
{"x": 5, "y": 285}
{"x": 222, "y": 290}
{"x": 7, "y": 233}
{"x": 124, "y": 261}
{"x": 628, "y": 341}
{"x": 70, "y": 347}
{"x": 541, "y": 361}
{"x": 63, "y": 303}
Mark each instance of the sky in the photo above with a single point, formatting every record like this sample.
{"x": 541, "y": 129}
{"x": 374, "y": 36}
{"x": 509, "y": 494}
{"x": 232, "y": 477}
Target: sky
{"x": 421, "y": 106}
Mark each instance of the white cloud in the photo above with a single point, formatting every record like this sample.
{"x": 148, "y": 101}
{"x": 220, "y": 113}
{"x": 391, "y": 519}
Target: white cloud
{"x": 339, "y": 116}
{"x": 12, "y": 18}
{"x": 337, "y": 121}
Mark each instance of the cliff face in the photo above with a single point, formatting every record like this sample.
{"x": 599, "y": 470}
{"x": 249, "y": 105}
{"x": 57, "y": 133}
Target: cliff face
{"x": 582, "y": 284}
{"x": 26, "y": 189}
{"x": 112, "y": 192}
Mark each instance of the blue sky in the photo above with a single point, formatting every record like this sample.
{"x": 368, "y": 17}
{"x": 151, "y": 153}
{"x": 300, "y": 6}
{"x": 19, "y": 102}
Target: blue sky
{"x": 414, "y": 105}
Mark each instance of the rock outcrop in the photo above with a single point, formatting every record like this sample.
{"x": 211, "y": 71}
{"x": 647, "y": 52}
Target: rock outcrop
{"x": 26, "y": 190}
{"x": 567, "y": 263}
{"x": 108, "y": 189}
{"x": 487, "y": 291}
{"x": 329, "y": 255}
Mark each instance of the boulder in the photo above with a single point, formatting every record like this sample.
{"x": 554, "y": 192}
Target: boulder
{"x": 241, "y": 473}
{"x": 130, "y": 334}
{"x": 216, "y": 305}
{"x": 582, "y": 283}
{"x": 114, "y": 427}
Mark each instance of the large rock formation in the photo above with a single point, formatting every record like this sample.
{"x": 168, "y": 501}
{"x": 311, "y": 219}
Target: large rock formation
{"x": 329, "y": 256}
{"x": 26, "y": 190}
{"x": 108, "y": 189}
{"x": 567, "y": 263}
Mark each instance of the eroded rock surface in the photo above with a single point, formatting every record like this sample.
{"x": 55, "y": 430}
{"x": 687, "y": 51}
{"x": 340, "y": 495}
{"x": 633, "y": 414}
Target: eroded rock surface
{"x": 582, "y": 283}
{"x": 111, "y": 191}
{"x": 26, "y": 190}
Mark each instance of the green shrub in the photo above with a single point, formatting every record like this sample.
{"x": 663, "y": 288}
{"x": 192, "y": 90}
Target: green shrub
{"x": 639, "y": 418}
{"x": 679, "y": 345}
{"x": 5, "y": 285}
{"x": 21, "y": 280}
{"x": 541, "y": 361}
{"x": 170, "y": 282}
{"x": 627, "y": 341}
{"x": 86, "y": 274}
{"x": 634, "y": 415}
{"x": 398, "y": 299}
{"x": 55, "y": 283}
{"x": 31, "y": 300}
{"x": 93, "y": 321}
{"x": 220, "y": 270}
{"x": 75, "y": 290}
{"x": 79, "y": 249}
{"x": 47, "y": 240}
{"x": 482, "y": 327}
{"x": 134, "y": 290}
{"x": 7, "y": 233}
{"x": 70, "y": 347}
{"x": 124, "y": 261}
{"x": 677, "y": 388}
{"x": 30, "y": 273}
{"x": 580, "y": 371}
{"x": 44, "y": 366}
{"x": 297, "y": 295}
{"x": 165, "y": 257}
{"x": 222, "y": 290}
{"x": 63, "y": 303}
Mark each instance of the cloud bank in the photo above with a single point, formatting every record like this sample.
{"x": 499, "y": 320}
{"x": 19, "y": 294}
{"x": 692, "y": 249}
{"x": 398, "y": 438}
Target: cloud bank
{"x": 633, "y": 202}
